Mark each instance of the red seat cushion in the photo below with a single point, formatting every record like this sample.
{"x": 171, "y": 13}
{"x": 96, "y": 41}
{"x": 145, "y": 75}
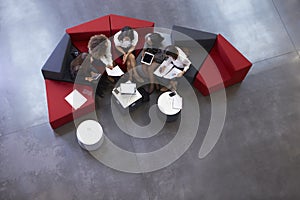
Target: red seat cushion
{"x": 224, "y": 66}
{"x": 59, "y": 110}
{"x": 117, "y": 22}
{"x": 81, "y": 33}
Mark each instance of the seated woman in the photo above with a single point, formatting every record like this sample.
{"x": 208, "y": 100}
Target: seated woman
{"x": 99, "y": 47}
{"x": 84, "y": 73}
{"x": 179, "y": 60}
{"x": 153, "y": 44}
{"x": 125, "y": 41}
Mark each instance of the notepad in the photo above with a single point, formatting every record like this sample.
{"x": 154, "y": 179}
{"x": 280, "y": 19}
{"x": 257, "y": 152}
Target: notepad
{"x": 75, "y": 99}
{"x": 177, "y": 102}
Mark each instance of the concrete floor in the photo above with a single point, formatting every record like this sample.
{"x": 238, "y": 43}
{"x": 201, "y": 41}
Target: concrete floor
{"x": 256, "y": 157}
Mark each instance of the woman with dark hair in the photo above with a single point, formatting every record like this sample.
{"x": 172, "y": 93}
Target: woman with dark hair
{"x": 179, "y": 60}
{"x": 125, "y": 41}
{"x": 153, "y": 45}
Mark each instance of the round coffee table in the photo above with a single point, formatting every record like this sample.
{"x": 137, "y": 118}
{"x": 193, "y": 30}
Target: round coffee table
{"x": 90, "y": 135}
{"x": 165, "y": 105}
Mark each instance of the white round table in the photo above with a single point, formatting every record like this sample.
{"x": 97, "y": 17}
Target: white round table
{"x": 165, "y": 105}
{"x": 90, "y": 135}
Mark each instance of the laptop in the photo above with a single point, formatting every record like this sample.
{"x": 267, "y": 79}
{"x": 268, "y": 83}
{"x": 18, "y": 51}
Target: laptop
{"x": 127, "y": 88}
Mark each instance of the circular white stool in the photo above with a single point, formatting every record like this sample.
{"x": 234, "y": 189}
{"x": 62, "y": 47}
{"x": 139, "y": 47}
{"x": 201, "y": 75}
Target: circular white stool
{"x": 165, "y": 105}
{"x": 90, "y": 135}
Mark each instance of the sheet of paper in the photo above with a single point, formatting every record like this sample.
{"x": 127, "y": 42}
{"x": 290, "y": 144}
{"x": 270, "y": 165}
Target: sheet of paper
{"x": 161, "y": 74}
{"x": 173, "y": 73}
{"x": 116, "y": 71}
{"x": 177, "y": 102}
{"x": 75, "y": 99}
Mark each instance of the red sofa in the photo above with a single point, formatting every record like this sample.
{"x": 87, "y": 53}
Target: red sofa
{"x": 59, "y": 110}
{"x": 58, "y": 86}
{"x": 223, "y": 67}
{"x": 108, "y": 25}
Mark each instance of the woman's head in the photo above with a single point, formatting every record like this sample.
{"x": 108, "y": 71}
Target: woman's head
{"x": 126, "y": 34}
{"x": 155, "y": 40}
{"x": 97, "y": 46}
{"x": 171, "y": 51}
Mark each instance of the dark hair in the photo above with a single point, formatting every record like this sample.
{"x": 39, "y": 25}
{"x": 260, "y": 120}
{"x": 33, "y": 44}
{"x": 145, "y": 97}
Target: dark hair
{"x": 126, "y": 31}
{"x": 172, "y": 51}
{"x": 156, "y": 39}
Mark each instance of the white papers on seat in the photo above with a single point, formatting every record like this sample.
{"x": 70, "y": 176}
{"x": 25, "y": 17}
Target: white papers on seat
{"x": 116, "y": 71}
{"x": 169, "y": 72}
{"x": 75, "y": 99}
{"x": 177, "y": 102}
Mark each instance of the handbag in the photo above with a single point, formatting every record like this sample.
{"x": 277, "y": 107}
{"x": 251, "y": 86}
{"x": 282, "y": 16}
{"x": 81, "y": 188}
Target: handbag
{"x": 159, "y": 54}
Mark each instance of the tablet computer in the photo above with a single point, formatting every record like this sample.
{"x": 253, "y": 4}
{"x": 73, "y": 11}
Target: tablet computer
{"x": 147, "y": 58}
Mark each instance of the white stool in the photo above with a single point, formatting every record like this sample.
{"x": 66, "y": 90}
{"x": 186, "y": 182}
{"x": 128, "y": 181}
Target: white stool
{"x": 90, "y": 135}
{"x": 165, "y": 105}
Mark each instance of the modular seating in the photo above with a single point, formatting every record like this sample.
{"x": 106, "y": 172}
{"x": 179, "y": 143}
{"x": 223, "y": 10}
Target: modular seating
{"x": 55, "y": 67}
{"x": 55, "y": 71}
{"x": 59, "y": 110}
{"x": 216, "y": 63}
{"x": 224, "y": 67}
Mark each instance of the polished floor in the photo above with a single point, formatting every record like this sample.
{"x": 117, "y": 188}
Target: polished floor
{"x": 256, "y": 157}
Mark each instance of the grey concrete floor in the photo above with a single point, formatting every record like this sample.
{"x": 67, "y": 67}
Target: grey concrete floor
{"x": 256, "y": 157}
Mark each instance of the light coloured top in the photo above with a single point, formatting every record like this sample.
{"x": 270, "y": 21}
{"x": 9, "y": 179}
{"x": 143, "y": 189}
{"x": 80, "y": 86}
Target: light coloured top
{"x": 181, "y": 62}
{"x": 107, "y": 57}
{"x": 123, "y": 44}
{"x": 89, "y": 132}
{"x": 165, "y": 104}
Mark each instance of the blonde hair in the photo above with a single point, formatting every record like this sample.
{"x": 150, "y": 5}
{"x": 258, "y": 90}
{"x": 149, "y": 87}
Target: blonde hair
{"x": 97, "y": 46}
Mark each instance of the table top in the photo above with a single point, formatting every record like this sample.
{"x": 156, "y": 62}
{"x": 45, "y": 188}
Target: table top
{"x": 165, "y": 104}
{"x": 126, "y": 99}
{"x": 89, "y": 132}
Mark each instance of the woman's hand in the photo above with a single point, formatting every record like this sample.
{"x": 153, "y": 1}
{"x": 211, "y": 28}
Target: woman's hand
{"x": 89, "y": 79}
{"x": 162, "y": 69}
{"x": 109, "y": 66}
{"x": 180, "y": 74}
{"x": 125, "y": 58}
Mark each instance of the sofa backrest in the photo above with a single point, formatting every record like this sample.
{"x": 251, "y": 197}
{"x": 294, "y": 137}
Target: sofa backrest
{"x": 232, "y": 58}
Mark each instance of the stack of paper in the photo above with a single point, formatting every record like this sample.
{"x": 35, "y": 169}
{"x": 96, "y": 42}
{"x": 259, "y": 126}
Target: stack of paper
{"x": 75, "y": 99}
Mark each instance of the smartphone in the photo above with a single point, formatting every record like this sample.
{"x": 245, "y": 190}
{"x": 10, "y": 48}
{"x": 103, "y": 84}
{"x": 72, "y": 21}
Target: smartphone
{"x": 172, "y": 94}
{"x": 116, "y": 91}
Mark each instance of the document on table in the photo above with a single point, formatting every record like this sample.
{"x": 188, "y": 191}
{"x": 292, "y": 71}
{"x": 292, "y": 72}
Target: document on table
{"x": 116, "y": 71}
{"x": 177, "y": 102}
{"x": 170, "y": 72}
